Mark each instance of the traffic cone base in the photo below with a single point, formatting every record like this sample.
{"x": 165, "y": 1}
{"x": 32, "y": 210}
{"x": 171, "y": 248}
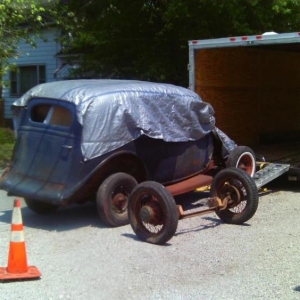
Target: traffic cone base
{"x": 17, "y": 267}
{"x": 32, "y": 272}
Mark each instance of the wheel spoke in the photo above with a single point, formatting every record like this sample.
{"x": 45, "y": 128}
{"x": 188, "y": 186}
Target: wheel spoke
{"x": 238, "y": 208}
{"x": 151, "y": 214}
{"x": 153, "y": 228}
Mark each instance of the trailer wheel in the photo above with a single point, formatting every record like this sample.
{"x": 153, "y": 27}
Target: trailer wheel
{"x": 241, "y": 193}
{"x": 242, "y": 157}
{"x": 112, "y": 198}
{"x": 40, "y": 207}
{"x": 153, "y": 214}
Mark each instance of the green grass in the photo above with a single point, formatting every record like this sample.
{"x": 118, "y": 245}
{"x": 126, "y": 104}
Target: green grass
{"x": 7, "y": 142}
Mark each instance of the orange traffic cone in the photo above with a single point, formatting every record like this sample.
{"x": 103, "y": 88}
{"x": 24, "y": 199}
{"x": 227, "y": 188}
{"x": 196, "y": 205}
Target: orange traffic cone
{"x": 17, "y": 267}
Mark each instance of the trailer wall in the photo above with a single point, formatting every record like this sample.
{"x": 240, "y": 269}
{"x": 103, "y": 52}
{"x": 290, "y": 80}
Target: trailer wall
{"x": 255, "y": 91}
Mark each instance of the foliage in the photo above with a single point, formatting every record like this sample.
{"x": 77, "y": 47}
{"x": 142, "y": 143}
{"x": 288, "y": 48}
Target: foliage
{"x": 149, "y": 39}
{"x": 138, "y": 39}
{"x": 6, "y": 151}
{"x": 7, "y": 141}
{"x": 7, "y": 136}
{"x": 19, "y": 18}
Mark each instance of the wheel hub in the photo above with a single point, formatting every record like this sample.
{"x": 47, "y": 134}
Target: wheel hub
{"x": 151, "y": 213}
{"x": 119, "y": 201}
{"x": 232, "y": 194}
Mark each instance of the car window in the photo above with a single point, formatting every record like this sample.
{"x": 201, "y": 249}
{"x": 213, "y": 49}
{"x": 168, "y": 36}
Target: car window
{"x": 51, "y": 114}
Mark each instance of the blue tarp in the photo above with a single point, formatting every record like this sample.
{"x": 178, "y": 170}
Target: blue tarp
{"x": 115, "y": 112}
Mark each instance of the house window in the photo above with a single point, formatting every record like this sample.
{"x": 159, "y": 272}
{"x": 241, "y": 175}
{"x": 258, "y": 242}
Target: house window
{"x": 26, "y": 77}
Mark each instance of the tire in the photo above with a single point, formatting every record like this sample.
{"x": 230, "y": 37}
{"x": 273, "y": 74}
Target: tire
{"x": 153, "y": 213}
{"x": 242, "y": 192}
{"x": 242, "y": 157}
{"x": 112, "y": 199}
{"x": 40, "y": 207}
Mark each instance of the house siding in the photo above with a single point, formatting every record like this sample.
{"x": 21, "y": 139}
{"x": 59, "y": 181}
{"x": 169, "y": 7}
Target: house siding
{"x": 43, "y": 54}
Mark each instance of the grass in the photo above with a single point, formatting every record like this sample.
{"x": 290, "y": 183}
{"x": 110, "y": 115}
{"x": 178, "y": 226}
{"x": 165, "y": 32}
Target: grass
{"x": 7, "y": 142}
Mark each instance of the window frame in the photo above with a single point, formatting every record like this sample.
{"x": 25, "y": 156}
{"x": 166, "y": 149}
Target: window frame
{"x": 15, "y": 78}
{"x": 51, "y": 115}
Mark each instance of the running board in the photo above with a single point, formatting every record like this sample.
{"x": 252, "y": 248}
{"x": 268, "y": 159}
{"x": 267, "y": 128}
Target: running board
{"x": 268, "y": 173}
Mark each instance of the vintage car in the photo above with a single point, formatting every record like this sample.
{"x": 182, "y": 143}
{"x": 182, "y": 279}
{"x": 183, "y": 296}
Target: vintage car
{"x": 81, "y": 140}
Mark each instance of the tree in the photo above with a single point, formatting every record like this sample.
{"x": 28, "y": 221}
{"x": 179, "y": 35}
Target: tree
{"x": 148, "y": 39}
{"x": 20, "y": 19}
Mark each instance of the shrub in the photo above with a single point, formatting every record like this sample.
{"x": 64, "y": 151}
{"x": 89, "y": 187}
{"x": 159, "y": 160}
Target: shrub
{"x": 7, "y": 142}
{"x": 7, "y": 136}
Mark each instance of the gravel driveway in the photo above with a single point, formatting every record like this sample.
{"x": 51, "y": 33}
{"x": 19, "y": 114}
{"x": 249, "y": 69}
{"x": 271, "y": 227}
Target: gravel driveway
{"x": 80, "y": 258}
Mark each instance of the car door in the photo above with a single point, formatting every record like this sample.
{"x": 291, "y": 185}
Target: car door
{"x": 48, "y": 143}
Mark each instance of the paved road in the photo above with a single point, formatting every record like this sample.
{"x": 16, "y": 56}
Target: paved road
{"x": 80, "y": 258}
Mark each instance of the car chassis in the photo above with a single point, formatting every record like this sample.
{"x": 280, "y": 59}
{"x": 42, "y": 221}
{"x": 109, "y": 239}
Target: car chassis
{"x": 154, "y": 214}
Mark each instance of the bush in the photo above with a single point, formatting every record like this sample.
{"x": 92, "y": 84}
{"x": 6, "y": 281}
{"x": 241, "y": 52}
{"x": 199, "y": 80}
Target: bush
{"x": 7, "y": 136}
{"x": 7, "y": 142}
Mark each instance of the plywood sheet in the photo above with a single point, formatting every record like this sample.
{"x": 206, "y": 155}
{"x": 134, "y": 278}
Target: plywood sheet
{"x": 236, "y": 113}
{"x": 254, "y": 91}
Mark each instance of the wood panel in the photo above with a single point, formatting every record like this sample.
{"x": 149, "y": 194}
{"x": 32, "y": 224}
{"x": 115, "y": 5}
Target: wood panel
{"x": 227, "y": 67}
{"x": 254, "y": 91}
{"x": 236, "y": 113}
{"x": 279, "y": 69}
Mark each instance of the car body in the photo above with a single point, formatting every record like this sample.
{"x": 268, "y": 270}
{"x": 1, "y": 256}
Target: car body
{"x": 72, "y": 135}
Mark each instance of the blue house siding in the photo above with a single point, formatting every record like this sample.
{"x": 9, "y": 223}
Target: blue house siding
{"x": 43, "y": 54}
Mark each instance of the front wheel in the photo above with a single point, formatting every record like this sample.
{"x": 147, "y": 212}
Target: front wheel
{"x": 153, "y": 213}
{"x": 40, "y": 207}
{"x": 112, "y": 198}
{"x": 239, "y": 190}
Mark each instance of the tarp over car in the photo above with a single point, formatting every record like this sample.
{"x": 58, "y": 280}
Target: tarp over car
{"x": 115, "y": 112}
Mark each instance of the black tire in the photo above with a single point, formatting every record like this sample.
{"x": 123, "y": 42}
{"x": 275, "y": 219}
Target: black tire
{"x": 242, "y": 157}
{"x": 241, "y": 191}
{"x": 112, "y": 199}
{"x": 153, "y": 213}
{"x": 40, "y": 207}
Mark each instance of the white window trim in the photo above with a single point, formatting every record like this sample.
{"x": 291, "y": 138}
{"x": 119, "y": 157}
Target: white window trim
{"x": 18, "y": 78}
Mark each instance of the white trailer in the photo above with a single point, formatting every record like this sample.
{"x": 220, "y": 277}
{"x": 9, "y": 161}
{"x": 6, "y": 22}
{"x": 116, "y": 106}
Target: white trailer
{"x": 253, "y": 83}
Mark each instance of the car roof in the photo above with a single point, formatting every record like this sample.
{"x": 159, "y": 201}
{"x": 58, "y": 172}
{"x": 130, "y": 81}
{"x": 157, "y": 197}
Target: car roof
{"x": 115, "y": 112}
{"x": 87, "y": 89}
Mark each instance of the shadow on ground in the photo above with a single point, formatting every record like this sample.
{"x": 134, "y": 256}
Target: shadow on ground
{"x": 297, "y": 288}
{"x": 66, "y": 218}
{"x": 283, "y": 184}
{"x": 77, "y": 216}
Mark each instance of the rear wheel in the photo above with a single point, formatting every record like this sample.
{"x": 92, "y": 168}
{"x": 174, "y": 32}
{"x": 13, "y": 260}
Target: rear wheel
{"x": 40, "y": 207}
{"x": 153, "y": 214}
{"x": 112, "y": 198}
{"x": 240, "y": 191}
{"x": 242, "y": 157}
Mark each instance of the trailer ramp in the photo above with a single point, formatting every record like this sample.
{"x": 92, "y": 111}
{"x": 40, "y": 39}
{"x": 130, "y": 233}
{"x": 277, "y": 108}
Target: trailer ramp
{"x": 269, "y": 172}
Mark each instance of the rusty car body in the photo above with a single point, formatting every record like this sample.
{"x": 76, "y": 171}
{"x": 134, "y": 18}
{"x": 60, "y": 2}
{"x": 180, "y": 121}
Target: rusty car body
{"x": 81, "y": 140}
